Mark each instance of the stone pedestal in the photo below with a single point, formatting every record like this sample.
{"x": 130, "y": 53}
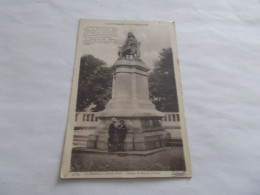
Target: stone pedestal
{"x": 143, "y": 134}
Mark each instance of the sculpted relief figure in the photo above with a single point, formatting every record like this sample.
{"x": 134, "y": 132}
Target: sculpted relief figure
{"x": 130, "y": 47}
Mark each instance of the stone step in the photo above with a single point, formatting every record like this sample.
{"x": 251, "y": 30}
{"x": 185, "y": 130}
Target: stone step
{"x": 81, "y": 146}
{"x": 175, "y": 139}
{"x": 80, "y": 136}
{"x": 119, "y": 153}
{"x": 80, "y": 139}
{"x": 175, "y": 142}
{"x": 80, "y": 143}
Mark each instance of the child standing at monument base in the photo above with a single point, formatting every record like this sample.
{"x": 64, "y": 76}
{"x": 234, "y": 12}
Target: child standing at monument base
{"x": 111, "y": 133}
{"x": 121, "y": 131}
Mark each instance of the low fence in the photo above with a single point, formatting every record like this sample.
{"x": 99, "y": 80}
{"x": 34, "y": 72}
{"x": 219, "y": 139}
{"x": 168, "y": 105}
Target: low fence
{"x": 88, "y": 119}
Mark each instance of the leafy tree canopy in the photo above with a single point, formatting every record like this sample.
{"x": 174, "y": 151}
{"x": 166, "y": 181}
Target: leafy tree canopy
{"x": 162, "y": 86}
{"x": 95, "y": 83}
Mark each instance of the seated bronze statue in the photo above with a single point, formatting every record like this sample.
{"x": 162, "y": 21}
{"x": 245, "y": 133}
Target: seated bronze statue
{"x": 130, "y": 46}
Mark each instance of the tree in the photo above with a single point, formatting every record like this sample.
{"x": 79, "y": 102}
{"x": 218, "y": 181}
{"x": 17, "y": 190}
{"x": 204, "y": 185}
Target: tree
{"x": 95, "y": 83}
{"x": 162, "y": 86}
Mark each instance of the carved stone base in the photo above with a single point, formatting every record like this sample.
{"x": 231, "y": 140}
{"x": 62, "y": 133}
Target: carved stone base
{"x": 137, "y": 142}
{"x": 143, "y": 134}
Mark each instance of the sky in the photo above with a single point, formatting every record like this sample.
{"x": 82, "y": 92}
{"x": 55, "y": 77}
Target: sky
{"x": 153, "y": 36}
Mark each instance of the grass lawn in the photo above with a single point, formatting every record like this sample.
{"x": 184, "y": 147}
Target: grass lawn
{"x": 170, "y": 159}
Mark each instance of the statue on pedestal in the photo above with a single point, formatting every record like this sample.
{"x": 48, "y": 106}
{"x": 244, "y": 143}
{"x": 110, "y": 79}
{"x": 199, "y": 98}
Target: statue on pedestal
{"x": 130, "y": 47}
{"x": 130, "y": 102}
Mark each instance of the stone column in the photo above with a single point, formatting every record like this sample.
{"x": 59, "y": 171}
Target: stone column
{"x": 133, "y": 85}
{"x": 138, "y": 50}
{"x": 113, "y": 86}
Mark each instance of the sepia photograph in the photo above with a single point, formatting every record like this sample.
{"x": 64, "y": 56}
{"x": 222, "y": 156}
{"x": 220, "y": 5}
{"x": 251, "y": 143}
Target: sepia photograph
{"x": 126, "y": 116}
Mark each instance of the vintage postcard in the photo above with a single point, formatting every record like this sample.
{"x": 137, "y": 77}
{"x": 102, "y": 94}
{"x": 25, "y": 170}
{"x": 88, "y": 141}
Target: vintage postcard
{"x": 126, "y": 115}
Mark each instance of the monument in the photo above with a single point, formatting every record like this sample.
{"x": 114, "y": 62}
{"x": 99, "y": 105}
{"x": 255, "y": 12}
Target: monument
{"x": 130, "y": 102}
